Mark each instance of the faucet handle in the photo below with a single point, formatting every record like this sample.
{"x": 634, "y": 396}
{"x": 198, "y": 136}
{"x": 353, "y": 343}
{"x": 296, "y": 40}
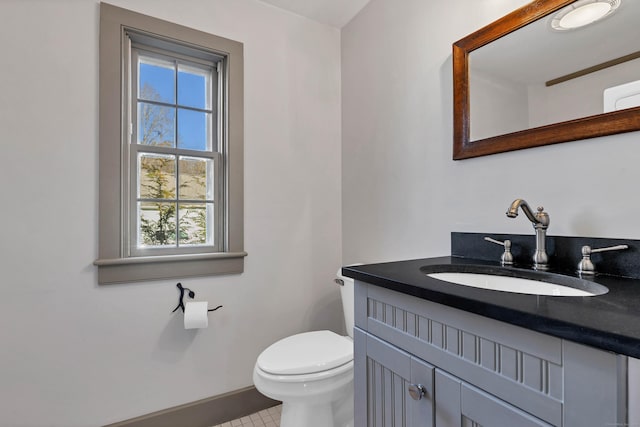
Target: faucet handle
{"x": 586, "y": 266}
{"x": 507, "y": 257}
{"x": 542, "y": 217}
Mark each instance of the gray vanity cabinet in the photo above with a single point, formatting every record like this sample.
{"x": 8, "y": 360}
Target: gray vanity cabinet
{"x": 401, "y": 390}
{"x": 474, "y": 371}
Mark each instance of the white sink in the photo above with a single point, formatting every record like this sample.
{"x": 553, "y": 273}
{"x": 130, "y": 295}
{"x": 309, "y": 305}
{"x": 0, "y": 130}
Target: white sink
{"x": 518, "y": 285}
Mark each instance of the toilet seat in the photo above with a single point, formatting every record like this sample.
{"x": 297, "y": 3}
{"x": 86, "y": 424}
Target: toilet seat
{"x": 306, "y": 353}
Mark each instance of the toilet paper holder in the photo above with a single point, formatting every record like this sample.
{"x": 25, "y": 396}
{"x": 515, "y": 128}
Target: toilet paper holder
{"x": 191, "y": 295}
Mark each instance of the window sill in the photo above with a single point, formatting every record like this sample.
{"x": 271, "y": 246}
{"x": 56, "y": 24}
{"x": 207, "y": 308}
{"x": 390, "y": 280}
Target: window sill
{"x": 134, "y": 269}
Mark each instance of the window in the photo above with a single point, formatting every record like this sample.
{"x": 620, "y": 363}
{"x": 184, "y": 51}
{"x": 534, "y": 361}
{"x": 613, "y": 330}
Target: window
{"x": 175, "y": 191}
{"x": 171, "y": 202}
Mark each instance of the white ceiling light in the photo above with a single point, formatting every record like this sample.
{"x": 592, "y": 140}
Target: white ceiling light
{"x": 583, "y": 12}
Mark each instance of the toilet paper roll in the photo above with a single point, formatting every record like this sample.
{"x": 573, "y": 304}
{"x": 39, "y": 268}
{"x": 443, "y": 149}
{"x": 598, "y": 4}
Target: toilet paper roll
{"x": 195, "y": 315}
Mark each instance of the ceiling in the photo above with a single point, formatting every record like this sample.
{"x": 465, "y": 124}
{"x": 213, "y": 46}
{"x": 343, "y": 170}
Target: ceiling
{"x": 335, "y": 13}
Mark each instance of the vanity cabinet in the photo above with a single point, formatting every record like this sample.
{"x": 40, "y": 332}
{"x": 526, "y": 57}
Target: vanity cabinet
{"x": 401, "y": 390}
{"x": 474, "y": 371}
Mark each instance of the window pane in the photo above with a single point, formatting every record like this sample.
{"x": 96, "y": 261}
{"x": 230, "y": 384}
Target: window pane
{"x": 156, "y": 125}
{"x": 194, "y": 87}
{"x": 156, "y": 224}
{"x": 196, "y": 178}
{"x": 156, "y": 80}
{"x": 156, "y": 176}
{"x": 196, "y": 221}
{"x": 194, "y": 130}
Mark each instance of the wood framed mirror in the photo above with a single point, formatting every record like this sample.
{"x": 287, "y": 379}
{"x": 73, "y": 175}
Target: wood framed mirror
{"x": 514, "y": 81}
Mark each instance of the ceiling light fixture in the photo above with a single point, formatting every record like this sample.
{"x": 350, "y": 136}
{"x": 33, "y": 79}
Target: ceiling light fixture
{"x": 583, "y": 12}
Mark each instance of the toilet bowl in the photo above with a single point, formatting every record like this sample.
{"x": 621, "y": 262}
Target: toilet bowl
{"x": 312, "y": 373}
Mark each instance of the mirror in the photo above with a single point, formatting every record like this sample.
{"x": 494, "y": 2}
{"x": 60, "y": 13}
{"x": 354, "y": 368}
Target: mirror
{"x": 520, "y": 83}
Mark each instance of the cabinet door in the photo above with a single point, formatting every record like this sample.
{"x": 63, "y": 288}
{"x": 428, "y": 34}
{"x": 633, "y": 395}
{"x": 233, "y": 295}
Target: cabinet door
{"x": 387, "y": 382}
{"x": 461, "y": 405}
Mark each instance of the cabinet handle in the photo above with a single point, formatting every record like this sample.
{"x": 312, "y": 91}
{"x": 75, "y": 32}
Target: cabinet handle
{"x": 417, "y": 391}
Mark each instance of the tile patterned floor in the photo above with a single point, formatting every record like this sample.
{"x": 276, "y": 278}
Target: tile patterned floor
{"x": 265, "y": 418}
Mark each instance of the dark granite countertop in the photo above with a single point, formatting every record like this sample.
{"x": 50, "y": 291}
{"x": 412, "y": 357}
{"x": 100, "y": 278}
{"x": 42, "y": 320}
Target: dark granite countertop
{"x": 610, "y": 322}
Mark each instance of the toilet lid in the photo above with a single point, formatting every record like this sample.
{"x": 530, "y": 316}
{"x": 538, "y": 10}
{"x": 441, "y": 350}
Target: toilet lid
{"x": 306, "y": 353}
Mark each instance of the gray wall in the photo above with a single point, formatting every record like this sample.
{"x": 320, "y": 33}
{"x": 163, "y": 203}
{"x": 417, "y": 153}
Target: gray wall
{"x": 73, "y": 353}
{"x": 402, "y": 193}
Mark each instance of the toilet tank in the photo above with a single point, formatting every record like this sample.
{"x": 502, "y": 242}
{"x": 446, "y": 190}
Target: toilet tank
{"x": 346, "y": 293}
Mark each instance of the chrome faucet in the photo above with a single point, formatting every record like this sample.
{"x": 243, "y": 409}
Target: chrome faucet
{"x": 540, "y": 221}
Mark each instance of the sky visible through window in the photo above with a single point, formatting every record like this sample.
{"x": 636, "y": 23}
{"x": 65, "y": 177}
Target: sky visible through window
{"x": 158, "y": 82}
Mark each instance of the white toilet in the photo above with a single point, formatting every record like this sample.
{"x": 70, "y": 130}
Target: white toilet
{"x": 312, "y": 373}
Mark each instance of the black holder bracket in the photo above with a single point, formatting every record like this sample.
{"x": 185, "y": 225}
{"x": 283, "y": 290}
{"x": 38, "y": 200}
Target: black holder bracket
{"x": 191, "y": 295}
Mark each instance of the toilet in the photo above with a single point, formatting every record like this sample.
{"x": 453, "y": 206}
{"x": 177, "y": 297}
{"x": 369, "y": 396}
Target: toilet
{"x": 312, "y": 373}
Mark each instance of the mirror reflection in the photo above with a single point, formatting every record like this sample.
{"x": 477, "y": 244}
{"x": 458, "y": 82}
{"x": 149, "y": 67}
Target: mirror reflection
{"x": 544, "y": 73}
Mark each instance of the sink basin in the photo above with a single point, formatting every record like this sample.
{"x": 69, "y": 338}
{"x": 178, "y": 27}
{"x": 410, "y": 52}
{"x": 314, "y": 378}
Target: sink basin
{"x": 508, "y": 280}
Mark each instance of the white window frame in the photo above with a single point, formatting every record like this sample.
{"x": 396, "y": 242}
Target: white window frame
{"x": 118, "y": 261}
{"x": 214, "y": 62}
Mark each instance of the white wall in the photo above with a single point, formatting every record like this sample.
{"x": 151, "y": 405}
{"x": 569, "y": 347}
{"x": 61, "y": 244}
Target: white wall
{"x": 497, "y": 105}
{"x": 73, "y": 353}
{"x": 402, "y": 193}
{"x": 579, "y": 97}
